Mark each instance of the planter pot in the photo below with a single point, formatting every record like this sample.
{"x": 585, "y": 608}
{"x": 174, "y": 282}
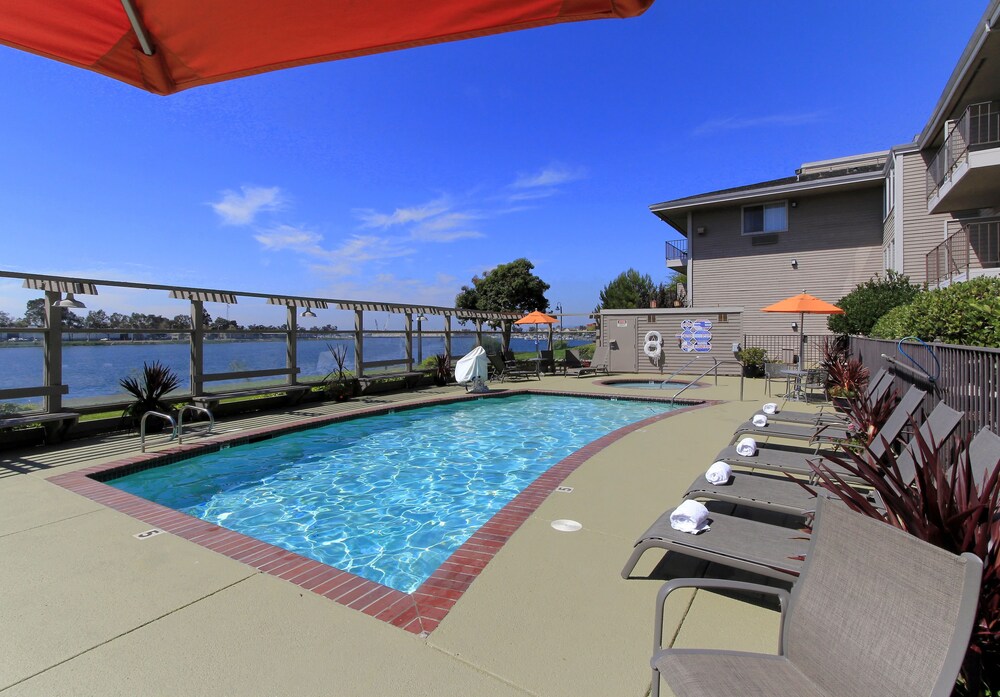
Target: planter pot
{"x": 841, "y": 404}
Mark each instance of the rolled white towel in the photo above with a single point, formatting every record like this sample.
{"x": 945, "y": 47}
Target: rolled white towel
{"x": 747, "y": 447}
{"x": 690, "y": 517}
{"x": 770, "y": 408}
{"x": 759, "y": 420}
{"x": 719, "y": 473}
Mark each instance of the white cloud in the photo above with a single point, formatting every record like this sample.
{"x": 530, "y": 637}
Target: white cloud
{"x": 387, "y": 287}
{"x": 345, "y": 258}
{"x": 289, "y": 237}
{"x": 733, "y": 123}
{"x": 241, "y": 208}
{"x": 447, "y": 228}
{"x": 401, "y": 216}
{"x": 552, "y": 175}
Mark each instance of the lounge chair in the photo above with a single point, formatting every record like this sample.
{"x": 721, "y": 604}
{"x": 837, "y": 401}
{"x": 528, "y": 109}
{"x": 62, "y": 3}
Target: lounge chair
{"x": 795, "y": 460}
{"x": 761, "y": 548}
{"x": 847, "y": 628}
{"x": 508, "y": 370}
{"x": 984, "y": 455}
{"x": 822, "y": 433}
{"x": 777, "y": 493}
{"x": 598, "y": 364}
{"x": 878, "y": 387}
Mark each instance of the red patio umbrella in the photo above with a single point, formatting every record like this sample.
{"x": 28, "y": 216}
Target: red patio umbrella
{"x": 164, "y": 46}
{"x": 804, "y": 304}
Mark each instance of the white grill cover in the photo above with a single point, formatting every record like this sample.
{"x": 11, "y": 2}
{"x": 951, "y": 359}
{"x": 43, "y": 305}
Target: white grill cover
{"x": 471, "y": 366}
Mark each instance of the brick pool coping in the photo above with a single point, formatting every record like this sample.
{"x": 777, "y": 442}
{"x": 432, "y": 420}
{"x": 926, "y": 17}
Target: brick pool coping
{"x": 419, "y": 612}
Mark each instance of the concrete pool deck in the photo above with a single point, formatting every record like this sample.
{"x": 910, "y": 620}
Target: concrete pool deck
{"x": 88, "y": 609}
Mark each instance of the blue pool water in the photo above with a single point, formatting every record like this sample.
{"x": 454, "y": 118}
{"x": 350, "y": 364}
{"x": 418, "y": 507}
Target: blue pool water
{"x": 388, "y": 497}
{"x": 647, "y": 384}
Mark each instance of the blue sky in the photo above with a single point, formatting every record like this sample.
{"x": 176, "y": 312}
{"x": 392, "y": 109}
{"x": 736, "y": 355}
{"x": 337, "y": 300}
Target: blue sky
{"x": 398, "y": 177}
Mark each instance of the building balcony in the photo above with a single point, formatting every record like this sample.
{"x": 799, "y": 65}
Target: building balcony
{"x": 677, "y": 255}
{"x": 963, "y": 175}
{"x": 973, "y": 250}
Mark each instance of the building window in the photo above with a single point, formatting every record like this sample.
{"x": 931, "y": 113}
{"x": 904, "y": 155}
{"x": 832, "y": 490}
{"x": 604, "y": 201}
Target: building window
{"x": 889, "y": 201}
{"x": 769, "y": 217}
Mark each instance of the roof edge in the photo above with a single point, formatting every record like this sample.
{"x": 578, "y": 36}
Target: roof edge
{"x": 987, "y": 23}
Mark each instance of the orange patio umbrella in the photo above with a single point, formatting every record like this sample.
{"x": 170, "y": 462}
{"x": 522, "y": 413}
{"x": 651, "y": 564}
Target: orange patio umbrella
{"x": 537, "y": 318}
{"x": 804, "y": 304}
{"x": 164, "y": 46}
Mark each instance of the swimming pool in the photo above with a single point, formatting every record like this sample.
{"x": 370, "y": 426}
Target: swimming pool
{"x": 648, "y": 384}
{"x": 386, "y": 497}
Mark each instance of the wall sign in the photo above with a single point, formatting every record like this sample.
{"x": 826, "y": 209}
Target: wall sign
{"x": 695, "y": 336}
{"x": 623, "y": 323}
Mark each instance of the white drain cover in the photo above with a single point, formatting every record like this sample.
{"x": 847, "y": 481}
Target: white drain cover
{"x": 563, "y": 525}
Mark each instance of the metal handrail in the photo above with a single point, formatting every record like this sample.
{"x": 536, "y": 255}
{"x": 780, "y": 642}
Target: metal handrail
{"x": 693, "y": 360}
{"x": 180, "y": 421}
{"x": 714, "y": 367}
{"x": 142, "y": 427}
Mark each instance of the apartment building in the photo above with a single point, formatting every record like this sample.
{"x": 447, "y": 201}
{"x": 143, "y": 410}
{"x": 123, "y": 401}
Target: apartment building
{"x": 929, "y": 209}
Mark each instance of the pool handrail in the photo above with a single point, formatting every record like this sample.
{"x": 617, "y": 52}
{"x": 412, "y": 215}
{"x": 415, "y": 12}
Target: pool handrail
{"x": 693, "y": 360}
{"x": 142, "y": 427}
{"x": 180, "y": 421}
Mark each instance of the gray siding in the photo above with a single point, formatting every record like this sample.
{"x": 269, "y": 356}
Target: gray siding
{"x": 921, "y": 230}
{"x": 836, "y": 238}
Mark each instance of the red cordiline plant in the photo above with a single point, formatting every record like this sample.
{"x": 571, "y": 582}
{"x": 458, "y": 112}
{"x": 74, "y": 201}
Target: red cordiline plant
{"x": 950, "y": 508}
{"x": 866, "y": 419}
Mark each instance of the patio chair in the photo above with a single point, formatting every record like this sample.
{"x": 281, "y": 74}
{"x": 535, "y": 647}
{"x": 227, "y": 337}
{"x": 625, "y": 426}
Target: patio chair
{"x": 795, "y": 460}
{"x": 598, "y": 364}
{"x": 778, "y": 493}
{"x": 847, "y": 627}
{"x": 547, "y": 364}
{"x": 815, "y": 383}
{"x": 773, "y": 374}
{"x": 813, "y": 433}
{"x": 878, "y": 387}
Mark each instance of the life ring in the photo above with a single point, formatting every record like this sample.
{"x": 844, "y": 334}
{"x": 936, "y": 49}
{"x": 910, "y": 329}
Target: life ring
{"x": 652, "y": 349}
{"x": 653, "y": 335}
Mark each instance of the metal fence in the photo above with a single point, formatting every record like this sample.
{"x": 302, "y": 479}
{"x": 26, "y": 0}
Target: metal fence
{"x": 785, "y": 347}
{"x": 974, "y": 246}
{"x": 966, "y": 378}
{"x": 978, "y": 127}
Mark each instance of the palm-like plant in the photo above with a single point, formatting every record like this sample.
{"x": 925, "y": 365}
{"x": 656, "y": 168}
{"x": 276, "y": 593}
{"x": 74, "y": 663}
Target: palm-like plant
{"x": 156, "y": 381}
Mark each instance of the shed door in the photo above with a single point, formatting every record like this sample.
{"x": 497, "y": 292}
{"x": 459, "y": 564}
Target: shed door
{"x": 621, "y": 337}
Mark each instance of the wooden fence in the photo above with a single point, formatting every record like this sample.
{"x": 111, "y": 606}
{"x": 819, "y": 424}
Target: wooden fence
{"x": 966, "y": 378}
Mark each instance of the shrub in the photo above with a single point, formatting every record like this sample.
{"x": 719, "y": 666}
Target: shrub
{"x": 752, "y": 358}
{"x": 963, "y": 313}
{"x": 149, "y": 392}
{"x": 894, "y": 324}
{"x": 864, "y": 305}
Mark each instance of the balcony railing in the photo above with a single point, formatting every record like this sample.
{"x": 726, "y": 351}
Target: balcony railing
{"x": 979, "y": 127}
{"x": 973, "y": 247}
{"x": 677, "y": 251}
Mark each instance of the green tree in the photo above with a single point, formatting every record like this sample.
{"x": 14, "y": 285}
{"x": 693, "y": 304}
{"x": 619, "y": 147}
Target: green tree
{"x": 507, "y": 288}
{"x": 630, "y": 289}
{"x": 97, "y": 319}
{"x": 864, "y": 305}
{"x": 34, "y": 313}
{"x": 6, "y": 320}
